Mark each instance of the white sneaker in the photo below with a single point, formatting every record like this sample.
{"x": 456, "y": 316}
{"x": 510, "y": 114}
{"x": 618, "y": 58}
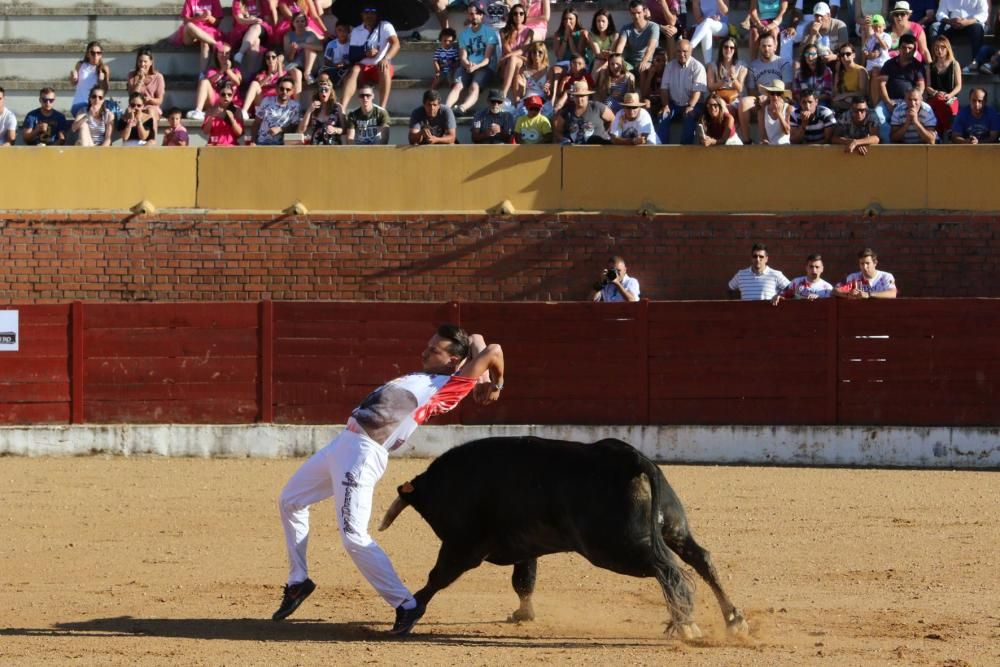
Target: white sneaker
{"x": 971, "y": 68}
{"x": 194, "y": 114}
{"x": 986, "y": 69}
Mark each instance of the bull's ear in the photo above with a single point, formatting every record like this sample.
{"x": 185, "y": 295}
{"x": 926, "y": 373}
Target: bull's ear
{"x": 405, "y": 488}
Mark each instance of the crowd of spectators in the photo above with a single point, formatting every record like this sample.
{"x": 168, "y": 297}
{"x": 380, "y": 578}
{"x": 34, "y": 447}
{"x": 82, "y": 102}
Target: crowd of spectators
{"x": 887, "y": 74}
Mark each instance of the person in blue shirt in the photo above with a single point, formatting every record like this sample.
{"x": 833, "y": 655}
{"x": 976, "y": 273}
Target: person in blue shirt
{"x": 45, "y": 126}
{"x": 478, "y": 48}
{"x": 978, "y": 123}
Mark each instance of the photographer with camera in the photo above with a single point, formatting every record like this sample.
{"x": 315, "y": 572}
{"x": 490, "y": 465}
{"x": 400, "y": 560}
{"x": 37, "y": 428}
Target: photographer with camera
{"x": 615, "y": 284}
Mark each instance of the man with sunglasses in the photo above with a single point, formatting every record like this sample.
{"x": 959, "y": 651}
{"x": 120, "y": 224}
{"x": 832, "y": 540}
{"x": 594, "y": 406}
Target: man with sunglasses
{"x": 368, "y": 125}
{"x": 8, "y": 122}
{"x": 857, "y": 129}
{"x": 493, "y": 125}
{"x": 276, "y": 115}
{"x": 758, "y": 282}
{"x": 45, "y": 126}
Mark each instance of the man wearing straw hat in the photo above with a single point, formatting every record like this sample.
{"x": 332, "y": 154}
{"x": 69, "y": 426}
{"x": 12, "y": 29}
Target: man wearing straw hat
{"x": 583, "y": 121}
{"x": 683, "y": 84}
{"x": 633, "y": 126}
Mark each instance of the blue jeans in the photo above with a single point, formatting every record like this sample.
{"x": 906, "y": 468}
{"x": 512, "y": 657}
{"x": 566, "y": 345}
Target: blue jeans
{"x": 976, "y": 32}
{"x": 689, "y": 120}
{"x": 883, "y": 115}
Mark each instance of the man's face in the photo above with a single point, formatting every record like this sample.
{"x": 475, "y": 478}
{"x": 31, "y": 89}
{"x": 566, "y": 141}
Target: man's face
{"x": 285, "y": 90}
{"x": 367, "y": 98}
{"x": 638, "y": 16}
{"x": 977, "y": 101}
{"x": 683, "y": 54}
{"x": 766, "y": 48}
{"x": 758, "y": 260}
{"x": 48, "y": 102}
{"x": 447, "y": 41}
{"x": 343, "y": 33}
{"x": 431, "y": 108}
{"x": 867, "y": 266}
{"x": 913, "y": 99}
{"x": 808, "y": 104}
{"x": 436, "y": 357}
{"x": 475, "y": 18}
{"x": 859, "y": 112}
{"x": 581, "y": 101}
{"x": 369, "y": 19}
{"x": 814, "y": 270}
{"x": 617, "y": 266}
{"x": 906, "y": 51}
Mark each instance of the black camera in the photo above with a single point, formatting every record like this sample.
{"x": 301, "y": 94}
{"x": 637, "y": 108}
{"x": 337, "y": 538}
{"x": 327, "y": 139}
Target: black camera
{"x": 611, "y": 275}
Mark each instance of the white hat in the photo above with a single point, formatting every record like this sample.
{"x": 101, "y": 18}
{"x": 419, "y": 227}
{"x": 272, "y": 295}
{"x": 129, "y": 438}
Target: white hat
{"x": 821, "y": 9}
{"x": 901, "y": 7}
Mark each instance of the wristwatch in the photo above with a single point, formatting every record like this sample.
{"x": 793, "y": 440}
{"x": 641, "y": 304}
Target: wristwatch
{"x": 497, "y": 387}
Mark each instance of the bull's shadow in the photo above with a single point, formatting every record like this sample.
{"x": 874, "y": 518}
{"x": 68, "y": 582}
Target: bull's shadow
{"x": 304, "y": 630}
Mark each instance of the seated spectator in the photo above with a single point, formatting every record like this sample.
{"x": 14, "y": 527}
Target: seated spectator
{"x": 136, "y": 127}
{"x": 649, "y": 86}
{"x": 901, "y": 25}
{"x": 638, "y": 40}
{"x": 201, "y": 19}
{"x": 633, "y": 126}
{"x": 8, "y": 122}
{"x": 287, "y": 11}
{"x": 826, "y": 33}
{"x": 767, "y": 68}
{"x": 45, "y": 126}
{"x": 275, "y": 116}
{"x": 967, "y": 17}
{"x": 865, "y": 11}
{"x": 95, "y": 124}
{"x": 539, "y": 14}
{"x": 224, "y": 122}
{"x": 145, "y": 80}
{"x": 582, "y": 121}
{"x": 515, "y": 40}
{"x": 493, "y": 125}
{"x": 944, "y": 84}
{"x": 718, "y": 125}
{"x": 813, "y": 75}
{"x": 89, "y": 72}
{"x": 577, "y": 72}
{"x": 898, "y": 77}
{"x": 533, "y": 127}
{"x": 571, "y": 38}
{"x": 324, "y": 121}
{"x": 614, "y": 81}
{"x": 857, "y": 129}
{"x": 175, "y": 134}
{"x": 810, "y": 286}
{"x": 265, "y": 84}
{"x": 615, "y": 284}
{"x": 727, "y": 74}
{"x": 850, "y": 81}
{"x": 977, "y": 123}
{"x": 368, "y": 125}
{"x": 812, "y": 123}
{"x": 446, "y": 59}
{"x": 302, "y": 48}
{"x": 373, "y": 45}
{"x": 221, "y": 74}
{"x": 535, "y": 78}
{"x": 765, "y": 19}
{"x": 868, "y": 283}
{"x": 710, "y": 20}
{"x": 603, "y": 36}
{"x": 913, "y": 121}
{"x": 430, "y": 123}
{"x": 681, "y": 89}
{"x": 254, "y": 22}
{"x": 877, "y": 46}
{"x": 758, "y": 282}
{"x": 336, "y": 57}
{"x": 774, "y": 122}
{"x": 479, "y": 55}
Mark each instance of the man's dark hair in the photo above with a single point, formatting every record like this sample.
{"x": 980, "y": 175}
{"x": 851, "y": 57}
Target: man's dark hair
{"x": 636, "y": 3}
{"x": 907, "y": 38}
{"x": 809, "y": 92}
{"x": 171, "y": 111}
{"x": 431, "y": 96}
{"x": 458, "y": 339}
{"x": 815, "y": 257}
{"x": 979, "y": 89}
{"x": 858, "y": 99}
{"x": 758, "y": 246}
{"x": 867, "y": 252}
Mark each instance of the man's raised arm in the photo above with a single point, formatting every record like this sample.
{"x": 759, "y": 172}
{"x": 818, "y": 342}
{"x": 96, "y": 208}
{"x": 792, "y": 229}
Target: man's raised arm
{"x": 485, "y": 358}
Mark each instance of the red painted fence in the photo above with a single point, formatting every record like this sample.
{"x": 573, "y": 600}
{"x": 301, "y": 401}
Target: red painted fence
{"x": 902, "y": 362}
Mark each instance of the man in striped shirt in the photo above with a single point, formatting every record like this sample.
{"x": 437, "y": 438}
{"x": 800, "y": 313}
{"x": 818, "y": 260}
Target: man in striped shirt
{"x": 758, "y": 282}
{"x": 812, "y": 123}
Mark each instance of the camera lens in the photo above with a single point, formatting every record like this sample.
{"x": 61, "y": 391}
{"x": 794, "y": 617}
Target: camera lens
{"x": 611, "y": 274}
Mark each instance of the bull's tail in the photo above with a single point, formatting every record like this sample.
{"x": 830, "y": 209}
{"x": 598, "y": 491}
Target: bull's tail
{"x": 677, "y": 584}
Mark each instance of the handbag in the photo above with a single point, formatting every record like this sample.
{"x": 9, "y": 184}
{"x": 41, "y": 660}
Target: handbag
{"x": 356, "y": 54}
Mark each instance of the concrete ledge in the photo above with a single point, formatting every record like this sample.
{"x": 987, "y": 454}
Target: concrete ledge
{"x": 930, "y": 447}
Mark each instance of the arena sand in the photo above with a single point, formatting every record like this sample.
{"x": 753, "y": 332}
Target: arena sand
{"x": 124, "y": 561}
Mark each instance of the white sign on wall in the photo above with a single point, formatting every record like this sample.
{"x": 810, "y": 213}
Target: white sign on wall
{"x": 10, "y": 334}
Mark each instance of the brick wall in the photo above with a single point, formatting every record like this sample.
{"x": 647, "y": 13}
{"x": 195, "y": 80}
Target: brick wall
{"x": 199, "y": 257}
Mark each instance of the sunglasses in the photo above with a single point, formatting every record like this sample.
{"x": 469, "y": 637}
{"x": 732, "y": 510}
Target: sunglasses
{"x": 95, "y": 53}
{"x": 50, "y": 100}
{"x": 714, "y": 106}
{"x": 325, "y": 89}
{"x": 847, "y": 54}
{"x": 226, "y": 94}
{"x": 811, "y": 54}
{"x": 286, "y": 89}
{"x": 366, "y": 95}
{"x": 728, "y": 46}
{"x": 759, "y": 256}
{"x": 270, "y": 57}
{"x": 97, "y": 97}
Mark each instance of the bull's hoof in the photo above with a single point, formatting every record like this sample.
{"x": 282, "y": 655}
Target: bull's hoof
{"x": 737, "y": 625}
{"x": 683, "y": 631}
{"x": 521, "y": 615}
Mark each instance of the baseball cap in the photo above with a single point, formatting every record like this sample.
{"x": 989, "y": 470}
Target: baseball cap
{"x": 878, "y": 19}
{"x": 495, "y": 96}
{"x": 533, "y": 102}
{"x": 901, "y": 7}
{"x": 478, "y": 6}
{"x": 821, "y": 9}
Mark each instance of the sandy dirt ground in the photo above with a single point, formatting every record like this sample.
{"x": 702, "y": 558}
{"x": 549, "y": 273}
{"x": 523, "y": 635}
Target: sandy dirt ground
{"x": 114, "y": 561}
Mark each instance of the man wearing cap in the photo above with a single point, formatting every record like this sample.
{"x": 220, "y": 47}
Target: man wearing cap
{"x": 826, "y": 33}
{"x": 978, "y": 123}
{"x": 804, "y": 14}
{"x": 533, "y": 128}
{"x": 583, "y": 121}
{"x": 897, "y": 78}
{"x": 431, "y": 123}
{"x": 493, "y": 125}
{"x": 857, "y": 129}
{"x": 478, "y": 54}
{"x": 377, "y": 44}
{"x": 966, "y": 17}
{"x": 633, "y": 126}
{"x": 639, "y": 39}
{"x": 765, "y": 69}
{"x": 683, "y": 84}
{"x": 812, "y": 123}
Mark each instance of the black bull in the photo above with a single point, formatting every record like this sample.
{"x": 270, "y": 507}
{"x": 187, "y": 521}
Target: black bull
{"x": 510, "y": 500}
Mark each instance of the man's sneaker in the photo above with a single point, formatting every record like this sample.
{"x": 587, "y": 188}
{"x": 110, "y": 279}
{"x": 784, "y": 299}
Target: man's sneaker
{"x": 294, "y": 595}
{"x": 406, "y": 619}
{"x": 971, "y": 68}
{"x": 986, "y": 69}
{"x": 194, "y": 114}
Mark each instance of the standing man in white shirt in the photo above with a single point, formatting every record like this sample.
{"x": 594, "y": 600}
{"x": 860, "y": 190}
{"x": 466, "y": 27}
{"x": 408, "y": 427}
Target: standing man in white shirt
{"x": 758, "y": 282}
{"x": 869, "y": 282}
{"x": 810, "y": 286}
{"x": 615, "y": 284}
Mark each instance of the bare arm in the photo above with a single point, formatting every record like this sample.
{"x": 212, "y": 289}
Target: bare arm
{"x": 482, "y": 359}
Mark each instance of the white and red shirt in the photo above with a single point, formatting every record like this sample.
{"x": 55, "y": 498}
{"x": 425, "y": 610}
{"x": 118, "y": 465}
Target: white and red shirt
{"x": 882, "y": 282}
{"x": 801, "y": 288}
{"x": 391, "y": 413}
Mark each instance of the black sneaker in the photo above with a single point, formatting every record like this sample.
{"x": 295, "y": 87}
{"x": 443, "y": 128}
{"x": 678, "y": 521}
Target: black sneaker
{"x": 295, "y": 594}
{"x": 406, "y": 619}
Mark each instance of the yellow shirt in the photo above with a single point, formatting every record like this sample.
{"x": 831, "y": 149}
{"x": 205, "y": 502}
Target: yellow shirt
{"x": 533, "y": 130}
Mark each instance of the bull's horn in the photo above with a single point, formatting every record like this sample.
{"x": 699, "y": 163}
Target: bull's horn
{"x": 397, "y": 506}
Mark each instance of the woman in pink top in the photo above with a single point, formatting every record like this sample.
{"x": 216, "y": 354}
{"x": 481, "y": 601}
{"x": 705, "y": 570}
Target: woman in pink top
{"x": 899, "y": 26}
{"x": 223, "y": 73}
{"x": 514, "y": 38}
{"x": 266, "y": 82}
{"x": 201, "y": 26}
{"x": 538, "y": 17}
{"x": 253, "y": 24}
{"x": 146, "y": 81}
{"x": 287, "y": 9}
{"x": 224, "y": 123}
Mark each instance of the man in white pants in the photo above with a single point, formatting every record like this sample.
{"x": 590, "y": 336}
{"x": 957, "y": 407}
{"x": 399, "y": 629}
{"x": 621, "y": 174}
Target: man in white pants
{"x": 349, "y": 467}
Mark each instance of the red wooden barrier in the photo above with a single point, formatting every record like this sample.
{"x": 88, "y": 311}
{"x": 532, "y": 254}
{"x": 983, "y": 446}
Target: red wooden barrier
{"x": 904, "y": 362}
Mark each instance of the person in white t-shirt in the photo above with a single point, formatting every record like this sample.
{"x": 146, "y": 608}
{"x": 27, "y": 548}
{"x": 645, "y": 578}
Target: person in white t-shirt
{"x": 758, "y": 282}
{"x": 810, "y": 286}
{"x": 633, "y": 126}
{"x": 615, "y": 284}
{"x": 377, "y": 44}
{"x": 869, "y": 282}
{"x": 8, "y": 122}
{"x": 347, "y": 469}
